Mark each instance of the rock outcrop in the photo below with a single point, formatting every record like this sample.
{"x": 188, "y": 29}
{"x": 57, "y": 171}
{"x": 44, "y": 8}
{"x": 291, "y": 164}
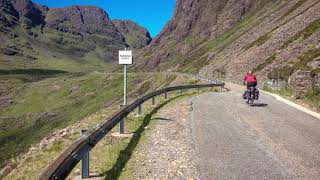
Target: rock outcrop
{"x": 135, "y": 35}
{"x": 204, "y": 18}
{"x": 30, "y": 13}
{"x": 301, "y": 81}
{"x": 81, "y": 20}
{"x": 8, "y": 16}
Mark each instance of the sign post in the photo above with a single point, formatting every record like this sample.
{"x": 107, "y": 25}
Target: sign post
{"x": 125, "y": 58}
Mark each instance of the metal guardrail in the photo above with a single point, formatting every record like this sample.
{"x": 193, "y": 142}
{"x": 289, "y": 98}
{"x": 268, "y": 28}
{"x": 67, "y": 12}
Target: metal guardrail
{"x": 64, "y": 164}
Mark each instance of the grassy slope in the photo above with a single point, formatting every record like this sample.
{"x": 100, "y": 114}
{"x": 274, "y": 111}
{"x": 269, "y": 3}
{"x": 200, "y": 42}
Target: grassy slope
{"x": 111, "y": 157}
{"x": 42, "y": 106}
{"x": 111, "y": 154}
{"x": 53, "y": 88}
{"x": 55, "y": 50}
{"x": 57, "y": 61}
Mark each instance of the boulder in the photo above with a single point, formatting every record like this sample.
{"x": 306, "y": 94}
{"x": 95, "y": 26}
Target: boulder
{"x": 9, "y": 51}
{"x": 302, "y": 82}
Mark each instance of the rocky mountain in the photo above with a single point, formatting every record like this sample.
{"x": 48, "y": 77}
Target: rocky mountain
{"x": 226, "y": 38}
{"x": 135, "y": 35}
{"x": 29, "y": 13}
{"x": 82, "y": 29}
{"x": 194, "y": 22}
{"x": 31, "y": 34}
{"x": 204, "y": 18}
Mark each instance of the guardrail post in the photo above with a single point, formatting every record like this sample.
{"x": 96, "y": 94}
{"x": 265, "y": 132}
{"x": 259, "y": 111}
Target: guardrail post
{"x": 140, "y": 109}
{"x": 153, "y": 101}
{"x": 121, "y": 126}
{"x": 84, "y": 165}
{"x": 165, "y": 95}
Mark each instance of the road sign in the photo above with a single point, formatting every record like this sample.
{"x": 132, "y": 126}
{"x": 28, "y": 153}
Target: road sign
{"x": 125, "y": 57}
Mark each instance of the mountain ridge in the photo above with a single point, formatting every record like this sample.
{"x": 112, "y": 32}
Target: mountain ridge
{"x": 32, "y": 34}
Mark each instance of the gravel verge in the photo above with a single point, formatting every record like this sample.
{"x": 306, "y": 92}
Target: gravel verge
{"x": 168, "y": 153}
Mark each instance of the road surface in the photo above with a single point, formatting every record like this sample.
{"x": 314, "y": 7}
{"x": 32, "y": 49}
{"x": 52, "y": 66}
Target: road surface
{"x": 269, "y": 141}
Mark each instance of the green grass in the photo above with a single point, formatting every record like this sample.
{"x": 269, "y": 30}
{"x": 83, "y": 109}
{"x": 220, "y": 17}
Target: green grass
{"x": 267, "y": 62}
{"x": 45, "y": 109}
{"x": 46, "y": 105}
{"x": 193, "y": 81}
{"x": 293, "y": 8}
{"x": 55, "y": 51}
{"x": 312, "y": 97}
{"x": 285, "y": 92}
{"x": 138, "y": 126}
{"x": 59, "y": 62}
{"x": 90, "y": 62}
{"x": 261, "y": 40}
{"x": 281, "y": 73}
{"x": 305, "y": 33}
{"x": 112, "y": 154}
{"x": 145, "y": 87}
{"x": 303, "y": 59}
{"x": 306, "y": 57}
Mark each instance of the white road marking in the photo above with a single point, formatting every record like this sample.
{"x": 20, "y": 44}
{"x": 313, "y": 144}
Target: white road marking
{"x": 299, "y": 107}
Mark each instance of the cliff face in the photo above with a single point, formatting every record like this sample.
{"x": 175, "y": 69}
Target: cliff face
{"x": 135, "y": 35}
{"x": 82, "y": 20}
{"x": 30, "y": 31}
{"x": 204, "y": 18}
{"x": 227, "y": 38}
{"x": 32, "y": 14}
{"x": 195, "y": 21}
{"x": 81, "y": 29}
{"x": 8, "y": 16}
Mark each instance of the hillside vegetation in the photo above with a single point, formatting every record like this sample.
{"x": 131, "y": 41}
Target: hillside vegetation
{"x": 55, "y": 100}
{"x": 273, "y": 38}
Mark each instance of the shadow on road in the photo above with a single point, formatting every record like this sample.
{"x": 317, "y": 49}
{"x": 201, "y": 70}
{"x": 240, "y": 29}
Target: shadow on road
{"x": 259, "y": 105}
{"x": 162, "y": 119}
{"x": 125, "y": 154}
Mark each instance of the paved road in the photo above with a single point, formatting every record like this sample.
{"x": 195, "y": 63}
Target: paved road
{"x": 270, "y": 141}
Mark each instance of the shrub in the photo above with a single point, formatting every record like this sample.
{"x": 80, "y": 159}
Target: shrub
{"x": 313, "y": 97}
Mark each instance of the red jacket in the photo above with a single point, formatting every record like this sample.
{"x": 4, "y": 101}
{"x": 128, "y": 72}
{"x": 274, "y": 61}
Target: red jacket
{"x": 250, "y": 78}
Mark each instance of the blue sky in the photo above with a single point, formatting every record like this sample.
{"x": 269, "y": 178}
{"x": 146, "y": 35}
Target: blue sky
{"x": 151, "y": 14}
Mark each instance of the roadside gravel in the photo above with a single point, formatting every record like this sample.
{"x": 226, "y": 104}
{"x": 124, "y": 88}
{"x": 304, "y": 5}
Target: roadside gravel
{"x": 168, "y": 153}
